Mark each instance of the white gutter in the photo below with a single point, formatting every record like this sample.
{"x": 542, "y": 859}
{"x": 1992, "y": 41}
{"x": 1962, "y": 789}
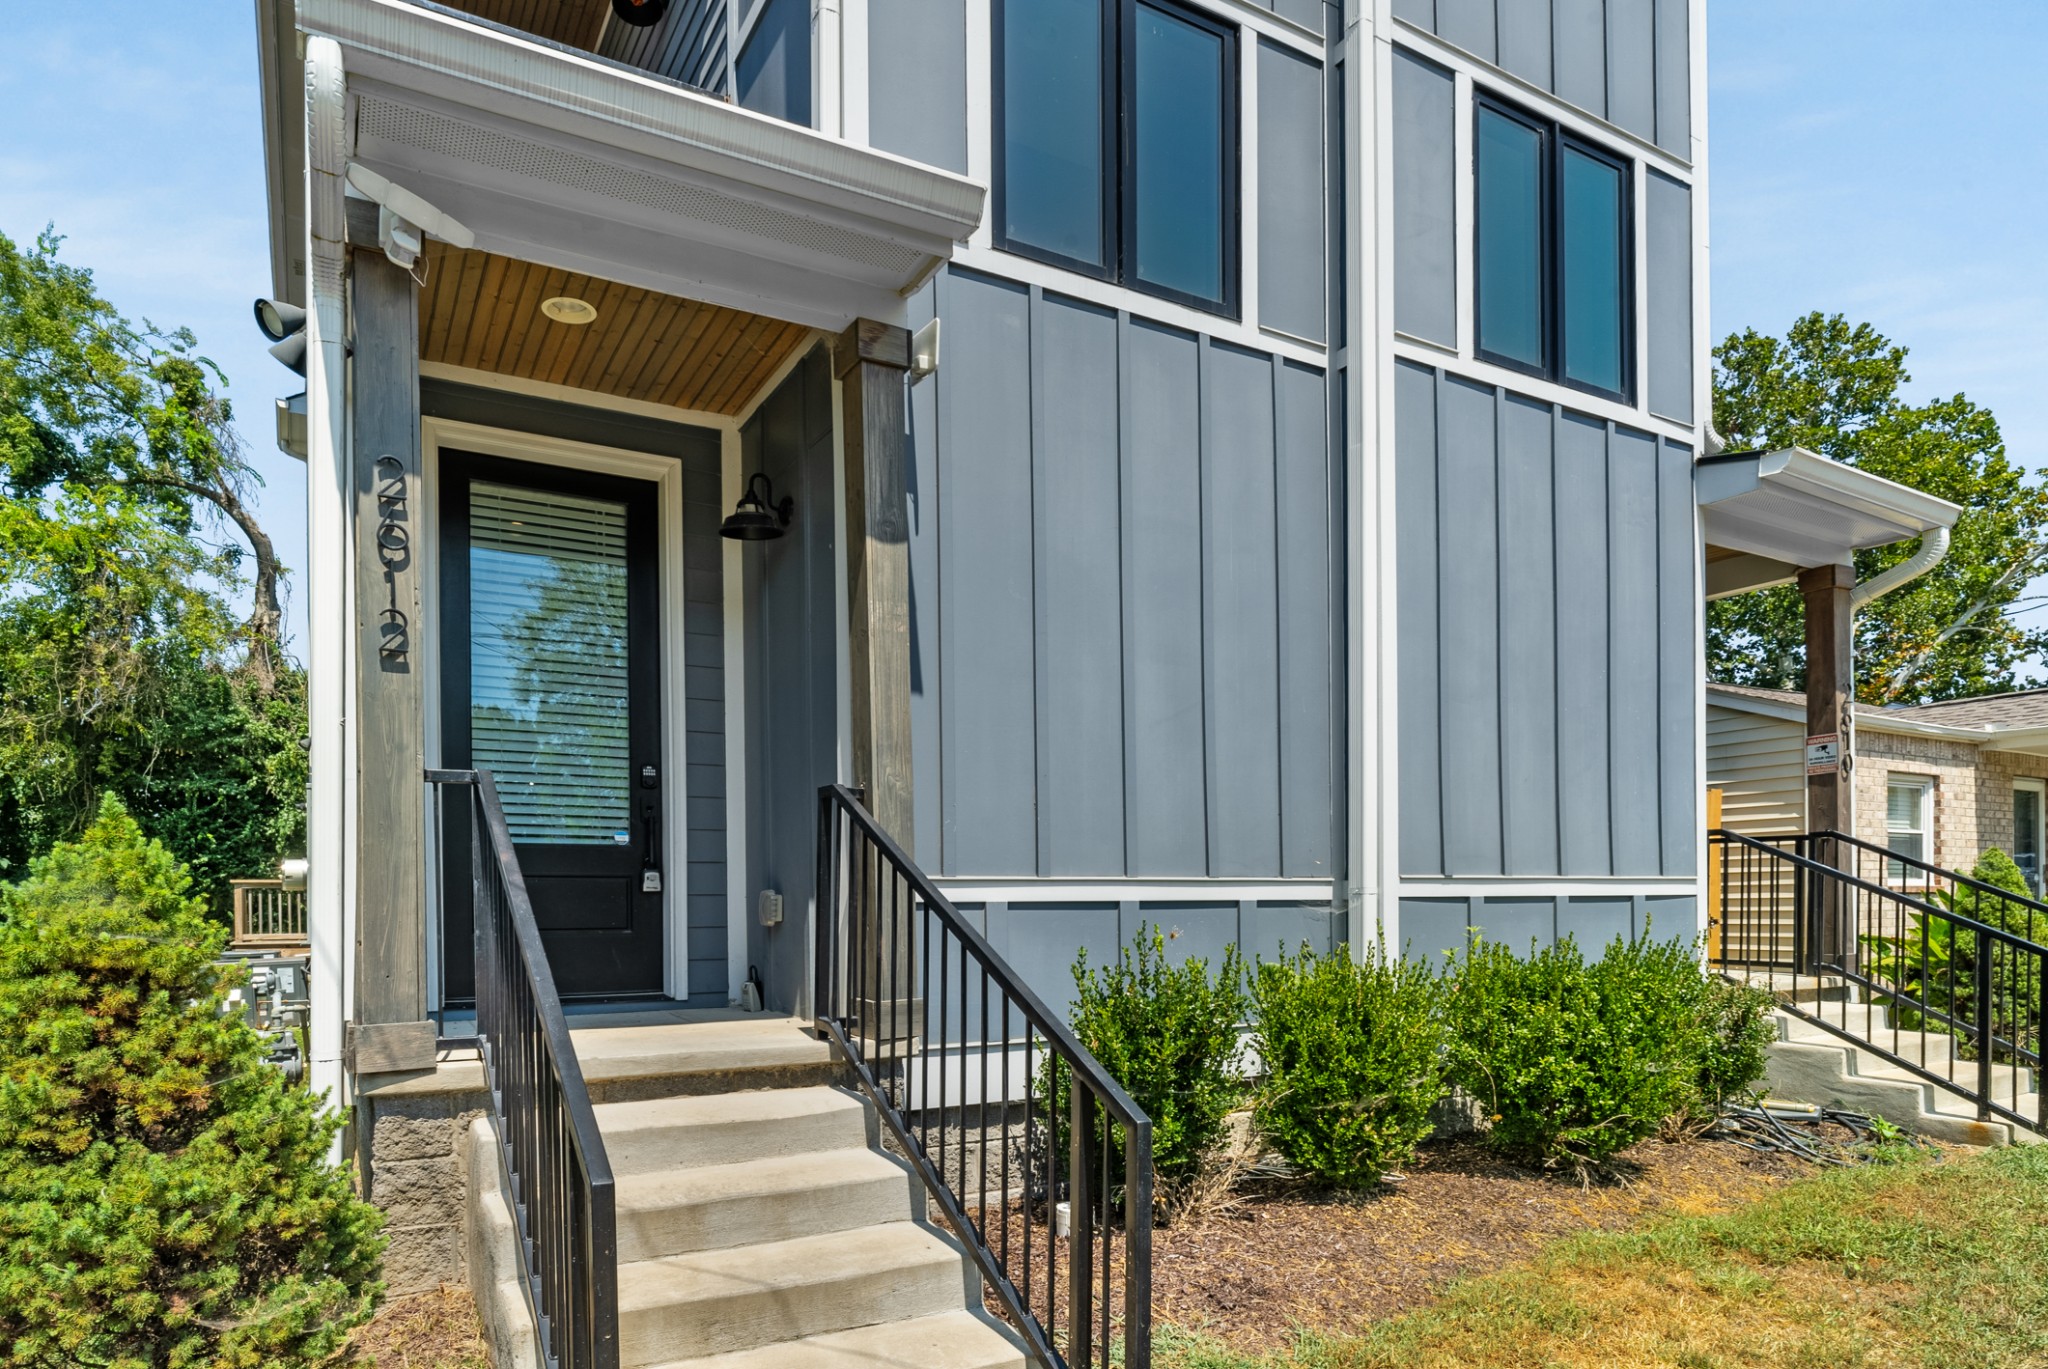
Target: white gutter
{"x": 1933, "y": 546}
{"x": 330, "y": 868}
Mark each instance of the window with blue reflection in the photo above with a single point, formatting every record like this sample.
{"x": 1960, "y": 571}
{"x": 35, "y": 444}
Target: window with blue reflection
{"x": 1116, "y": 143}
{"x": 1052, "y": 109}
{"x": 774, "y": 69}
{"x": 1509, "y": 216}
{"x": 1178, "y": 171}
{"x": 1591, "y": 290}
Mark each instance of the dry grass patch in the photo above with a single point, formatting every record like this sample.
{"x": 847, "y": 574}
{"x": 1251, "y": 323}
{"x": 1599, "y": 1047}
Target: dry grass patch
{"x": 1921, "y": 1263}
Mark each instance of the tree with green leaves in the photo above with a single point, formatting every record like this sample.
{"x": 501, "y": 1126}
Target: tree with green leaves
{"x": 125, "y": 528}
{"x": 165, "y": 1195}
{"x": 1835, "y": 389}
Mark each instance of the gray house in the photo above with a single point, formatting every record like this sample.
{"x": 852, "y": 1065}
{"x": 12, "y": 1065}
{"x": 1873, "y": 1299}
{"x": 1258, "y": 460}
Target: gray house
{"x": 1227, "y": 464}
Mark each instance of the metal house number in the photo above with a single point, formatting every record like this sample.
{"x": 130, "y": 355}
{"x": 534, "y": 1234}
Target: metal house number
{"x": 394, "y": 553}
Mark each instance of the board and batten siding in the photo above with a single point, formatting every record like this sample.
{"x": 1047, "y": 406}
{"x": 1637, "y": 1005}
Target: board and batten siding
{"x": 1431, "y": 926}
{"x": 701, "y": 797}
{"x": 687, "y": 45}
{"x": 1758, "y": 762}
{"x": 1626, "y": 61}
{"x": 917, "y": 80}
{"x": 1547, "y": 583}
{"x": 1121, "y": 589}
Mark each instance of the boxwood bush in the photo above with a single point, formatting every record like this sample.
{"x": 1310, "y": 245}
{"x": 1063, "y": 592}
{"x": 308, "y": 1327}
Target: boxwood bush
{"x": 165, "y": 1197}
{"x": 1570, "y": 1060}
{"x": 1169, "y": 1033}
{"x": 1354, "y": 1053}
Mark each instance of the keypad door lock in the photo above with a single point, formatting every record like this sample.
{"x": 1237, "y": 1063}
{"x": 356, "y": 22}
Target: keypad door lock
{"x": 650, "y": 777}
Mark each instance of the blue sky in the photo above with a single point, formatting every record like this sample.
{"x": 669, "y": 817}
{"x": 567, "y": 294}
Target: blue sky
{"x": 1866, "y": 157}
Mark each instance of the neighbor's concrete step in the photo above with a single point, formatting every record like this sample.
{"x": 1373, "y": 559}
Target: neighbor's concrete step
{"x": 757, "y": 1295}
{"x": 1812, "y": 1066}
{"x": 725, "y": 1128}
{"x": 951, "y": 1340}
{"x": 714, "y": 1207}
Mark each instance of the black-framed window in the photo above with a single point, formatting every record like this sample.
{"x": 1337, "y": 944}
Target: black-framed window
{"x": 1116, "y": 136}
{"x": 1554, "y": 270}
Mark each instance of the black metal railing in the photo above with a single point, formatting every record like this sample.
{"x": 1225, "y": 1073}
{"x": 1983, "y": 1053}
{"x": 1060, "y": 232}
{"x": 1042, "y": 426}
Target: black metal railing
{"x": 1037, "y": 1158}
{"x": 2020, "y": 914}
{"x": 558, "y": 1175}
{"x": 1921, "y": 974}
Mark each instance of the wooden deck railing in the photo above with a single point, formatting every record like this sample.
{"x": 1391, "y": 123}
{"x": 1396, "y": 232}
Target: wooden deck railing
{"x": 268, "y": 914}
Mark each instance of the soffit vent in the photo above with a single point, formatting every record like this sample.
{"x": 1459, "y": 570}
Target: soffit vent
{"x": 441, "y": 136}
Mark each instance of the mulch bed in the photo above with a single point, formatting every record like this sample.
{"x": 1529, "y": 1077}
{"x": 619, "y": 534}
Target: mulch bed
{"x": 1279, "y": 1255}
{"x": 424, "y": 1331}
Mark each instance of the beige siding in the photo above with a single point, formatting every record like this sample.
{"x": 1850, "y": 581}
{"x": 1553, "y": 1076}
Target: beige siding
{"x": 1755, "y": 761}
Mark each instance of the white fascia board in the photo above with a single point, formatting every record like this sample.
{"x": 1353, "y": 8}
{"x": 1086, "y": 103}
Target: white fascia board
{"x": 488, "y": 71}
{"x": 2031, "y": 740}
{"x": 1746, "y": 703}
{"x": 1796, "y": 506}
{"x": 1869, "y": 719}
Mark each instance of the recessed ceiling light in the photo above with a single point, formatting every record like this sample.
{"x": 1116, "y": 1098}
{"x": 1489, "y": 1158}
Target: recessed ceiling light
{"x": 563, "y": 309}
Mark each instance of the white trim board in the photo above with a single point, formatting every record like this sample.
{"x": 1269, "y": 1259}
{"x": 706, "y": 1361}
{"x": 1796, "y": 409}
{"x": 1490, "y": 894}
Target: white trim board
{"x": 1026, "y": 892}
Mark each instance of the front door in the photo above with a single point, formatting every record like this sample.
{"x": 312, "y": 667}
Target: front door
{"x": 551, "y": 679}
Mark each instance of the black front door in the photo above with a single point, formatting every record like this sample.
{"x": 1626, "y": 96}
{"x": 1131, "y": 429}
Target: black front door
{"x": 551, "y": 679}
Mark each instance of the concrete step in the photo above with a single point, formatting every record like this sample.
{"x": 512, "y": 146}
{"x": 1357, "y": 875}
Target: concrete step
{"x": 726, "y": 1128}
{"x": 1810, "y": 1065}
{"x": 952, "y": 1340}
{"x": 678, "y": 1059}
{"x": 747, "y": 1297}
{"x": 713, "y": 1207}
{"x": 1932, "y": 1050}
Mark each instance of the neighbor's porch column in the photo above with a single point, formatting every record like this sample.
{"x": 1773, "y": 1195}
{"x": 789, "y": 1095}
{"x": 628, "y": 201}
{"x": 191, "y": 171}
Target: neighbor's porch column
{"x": 1830, "y": 689}
{"x": 390, "y": 1031}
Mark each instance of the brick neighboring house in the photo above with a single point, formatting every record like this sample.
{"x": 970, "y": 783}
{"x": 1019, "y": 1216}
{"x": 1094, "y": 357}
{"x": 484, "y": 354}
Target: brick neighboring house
{"x": 1942, "y": 782}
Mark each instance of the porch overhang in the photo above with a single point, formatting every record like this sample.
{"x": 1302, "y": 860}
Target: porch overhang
{"x": 573, "y": 161}
{"x": 1765, "y": 516}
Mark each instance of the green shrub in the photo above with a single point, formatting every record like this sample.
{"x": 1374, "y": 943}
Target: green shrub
{"x": 1355, "y": 1057}
{"x": 1734, "y": 1044}
{"x": 165, "y": 1199}
{"x": 1169, "y": 1034}
{"x": 1572, "y": 1061}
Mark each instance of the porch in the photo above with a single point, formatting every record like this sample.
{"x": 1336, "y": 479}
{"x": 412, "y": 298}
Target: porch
{"x": 561, "y": 316}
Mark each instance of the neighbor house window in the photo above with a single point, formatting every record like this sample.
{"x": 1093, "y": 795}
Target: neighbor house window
{"x": 1116, "y": 142}
{"x": 1908, "y": 822}
{"x": 2029, "y": 806}
{"x": 1553, "y": 272}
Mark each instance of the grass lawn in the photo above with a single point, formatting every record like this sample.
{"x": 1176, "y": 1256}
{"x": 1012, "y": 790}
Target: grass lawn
{"x": 1917, "y": 1263}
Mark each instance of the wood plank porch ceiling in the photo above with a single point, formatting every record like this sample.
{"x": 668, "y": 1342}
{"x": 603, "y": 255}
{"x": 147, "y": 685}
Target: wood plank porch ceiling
{"x": 575, "y": 22}
{"x": 482, "y": 311}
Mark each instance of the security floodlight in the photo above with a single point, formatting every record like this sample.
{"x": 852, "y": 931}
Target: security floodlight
{"x": 279, "y": 320}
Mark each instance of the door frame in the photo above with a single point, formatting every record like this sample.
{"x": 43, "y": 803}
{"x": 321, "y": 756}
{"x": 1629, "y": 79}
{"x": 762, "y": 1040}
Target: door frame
{"x": 666, "y": 475}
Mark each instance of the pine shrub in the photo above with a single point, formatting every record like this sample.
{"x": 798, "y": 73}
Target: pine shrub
{"x": 1169, "y": 1035}
{"x": 1354, "y": 1053}
{"x": 1573, "y": 1061}
{"x": 165, "y": 1198}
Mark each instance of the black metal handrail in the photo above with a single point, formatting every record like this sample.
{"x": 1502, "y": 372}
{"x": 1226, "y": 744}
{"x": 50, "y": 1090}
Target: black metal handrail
{"x": 1934, "y": 981}
{"x": 979, "y": 1081}
{"x": 559, "y": 1177}
{"x": 2020, "y": 914}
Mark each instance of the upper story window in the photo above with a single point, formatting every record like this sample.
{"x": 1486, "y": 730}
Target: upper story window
{"x": 1554, "y": 271}
{"x": 1116, "y": 135}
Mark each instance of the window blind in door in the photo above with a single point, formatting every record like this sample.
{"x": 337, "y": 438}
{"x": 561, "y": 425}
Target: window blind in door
{"x": 548, "y": 677}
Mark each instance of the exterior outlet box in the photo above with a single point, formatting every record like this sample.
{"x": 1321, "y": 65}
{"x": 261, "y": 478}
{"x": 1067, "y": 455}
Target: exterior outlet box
{"x": 770, "y": 908}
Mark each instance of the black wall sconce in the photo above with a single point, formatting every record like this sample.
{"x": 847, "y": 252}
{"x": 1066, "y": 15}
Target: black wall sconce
{"x": 758, "y": 517}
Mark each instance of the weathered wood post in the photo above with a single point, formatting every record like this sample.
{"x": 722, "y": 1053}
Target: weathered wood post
{"x": 873, "y": 361}
{"x": 1830, "y": 807}
{"x": 390, "y": 1030}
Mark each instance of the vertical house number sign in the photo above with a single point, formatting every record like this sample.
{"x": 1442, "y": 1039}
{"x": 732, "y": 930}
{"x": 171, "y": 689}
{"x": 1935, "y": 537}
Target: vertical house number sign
{"x": 394, "y": 553}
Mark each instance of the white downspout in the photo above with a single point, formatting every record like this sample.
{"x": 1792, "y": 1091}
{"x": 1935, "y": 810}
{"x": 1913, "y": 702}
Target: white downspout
{"x": 327, "y": 483}
{"x": 1933, "y": 546}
